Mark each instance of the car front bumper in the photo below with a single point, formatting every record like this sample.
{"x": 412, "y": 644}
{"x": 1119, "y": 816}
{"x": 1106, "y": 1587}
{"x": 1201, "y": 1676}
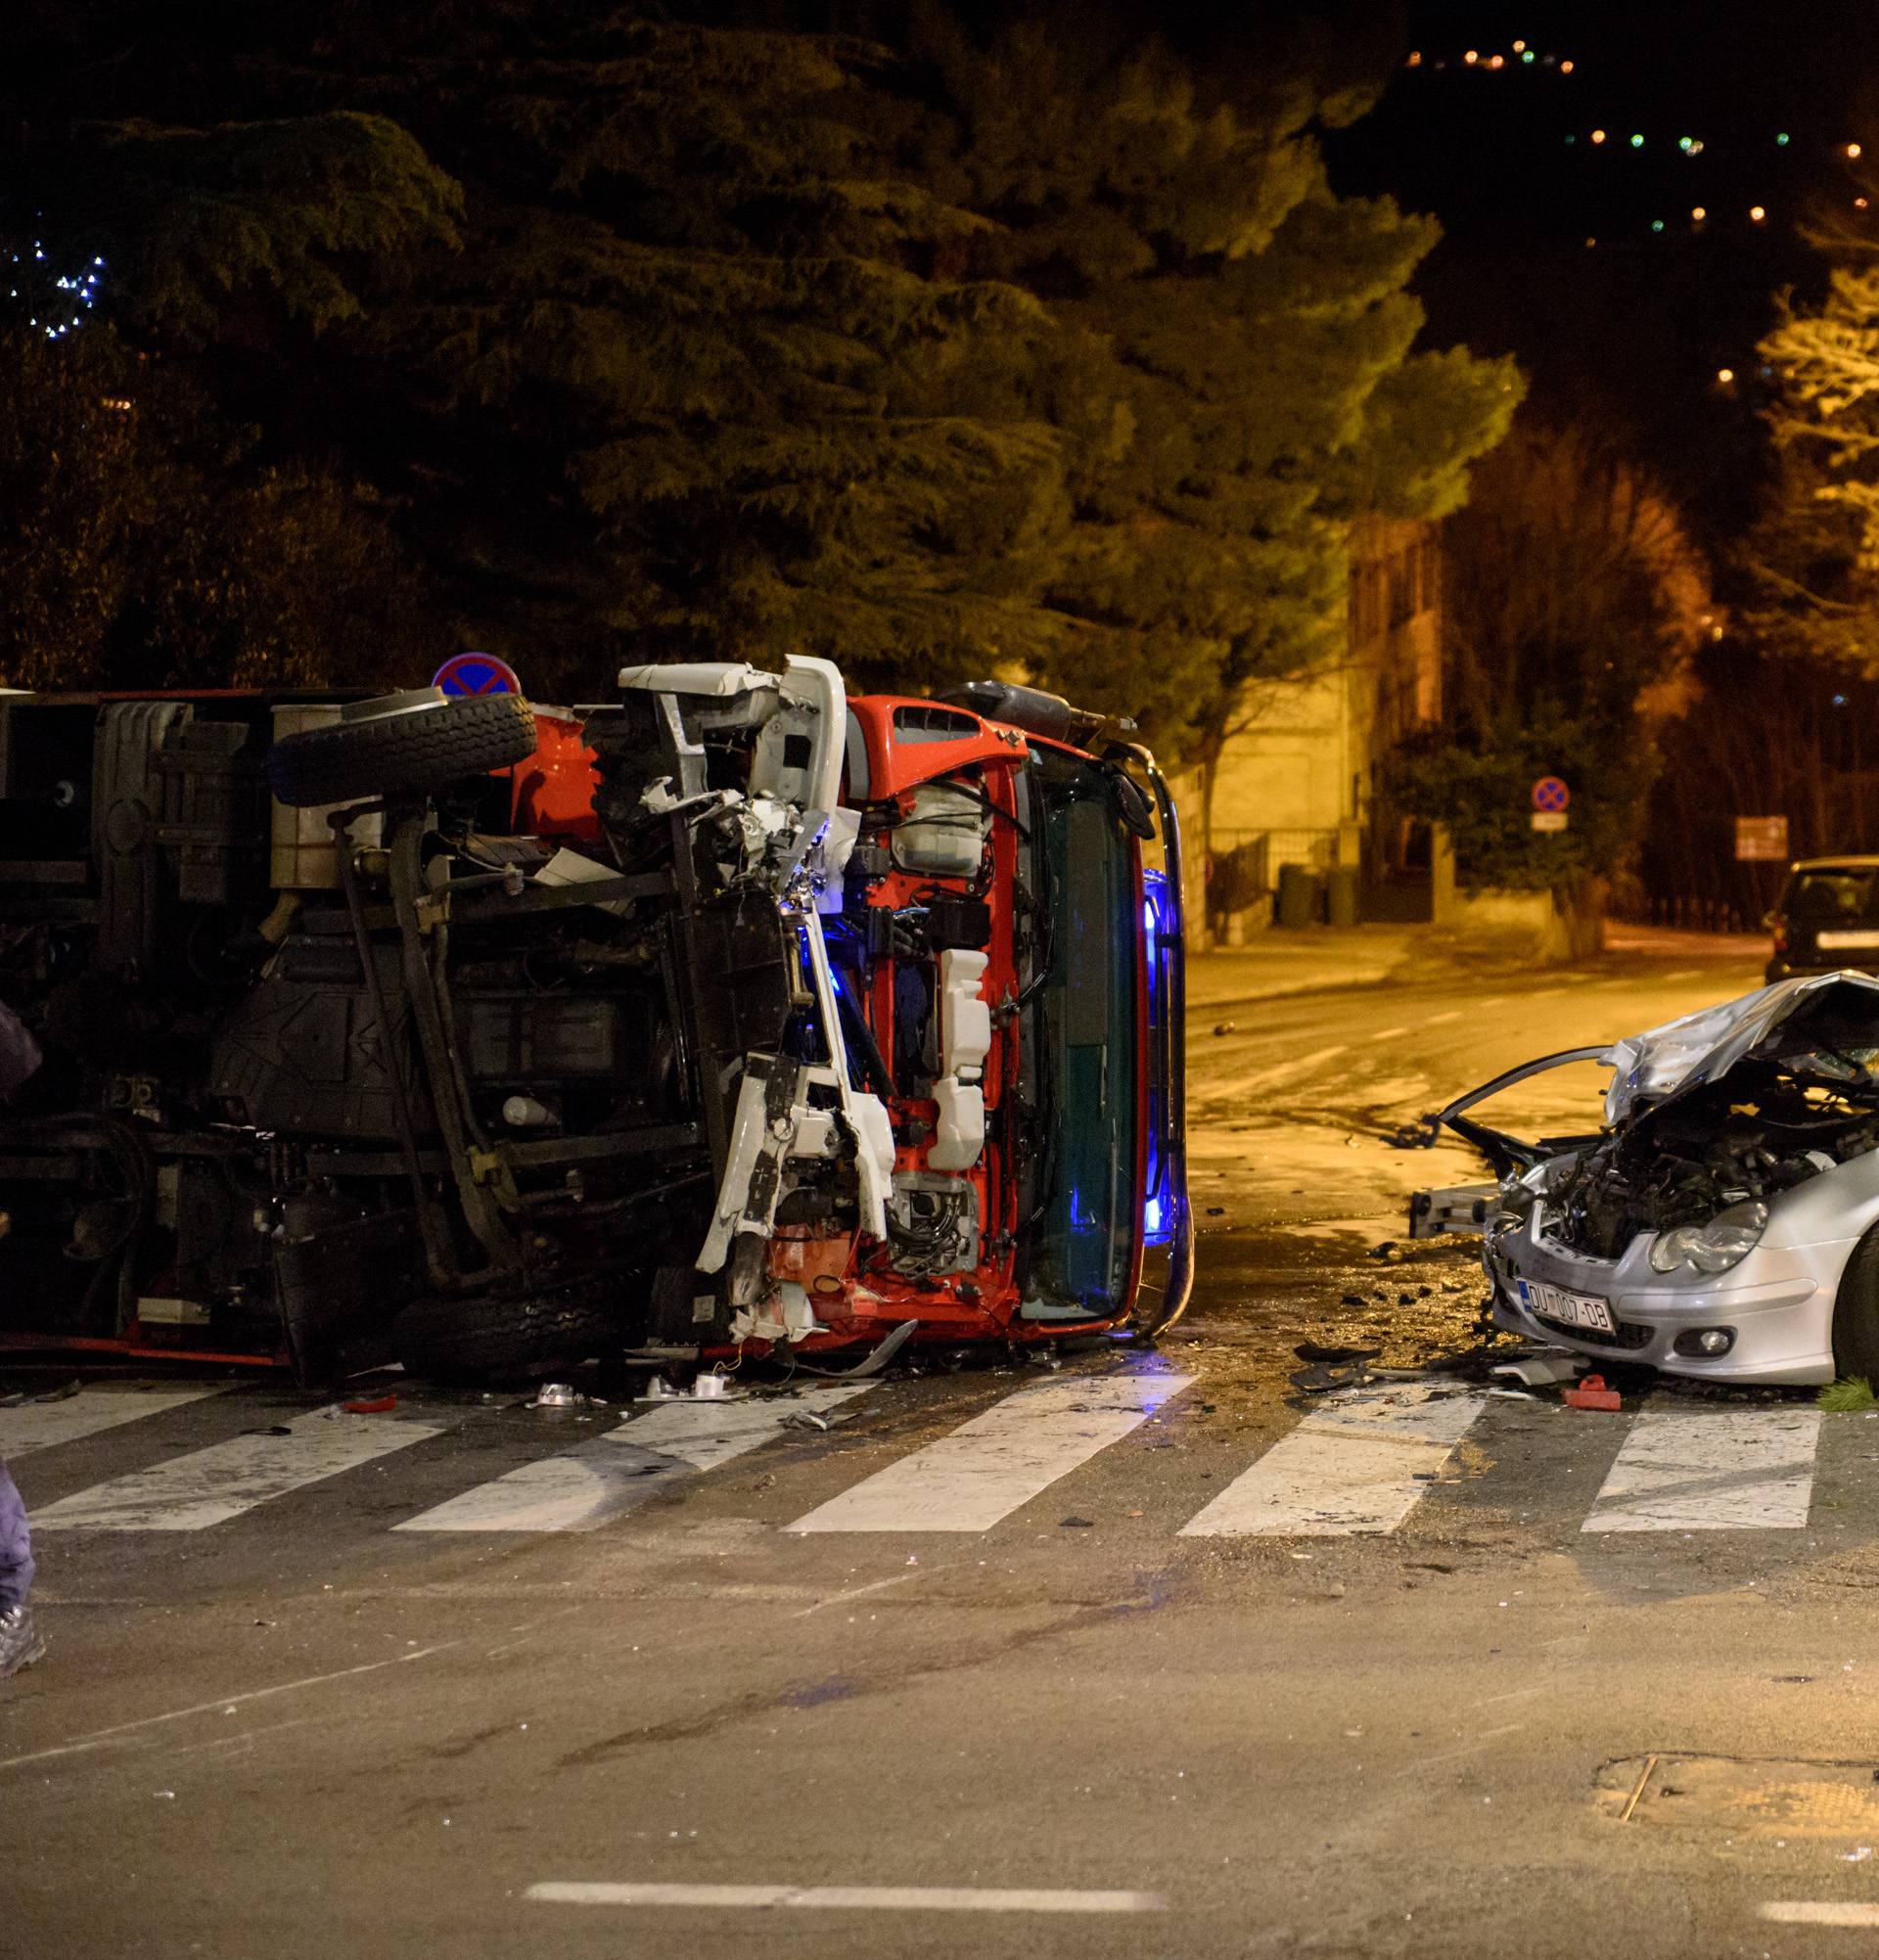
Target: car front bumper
{"x": 1778, "y": 1302}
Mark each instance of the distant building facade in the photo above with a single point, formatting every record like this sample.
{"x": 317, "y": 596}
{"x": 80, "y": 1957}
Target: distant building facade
{"x": 1302, "y": 783}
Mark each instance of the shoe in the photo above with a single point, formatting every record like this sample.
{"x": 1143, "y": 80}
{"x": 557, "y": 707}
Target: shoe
{"x": 21, "y": 1641}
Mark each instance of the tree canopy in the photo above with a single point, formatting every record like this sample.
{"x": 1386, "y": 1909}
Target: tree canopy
{"x": 588, "y": 334}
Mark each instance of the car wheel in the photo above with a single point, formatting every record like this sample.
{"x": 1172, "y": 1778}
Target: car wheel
{"x": 416, "y": 740}
{"x": 1855, "y": 1313}
{"x": 454, "y": 1339}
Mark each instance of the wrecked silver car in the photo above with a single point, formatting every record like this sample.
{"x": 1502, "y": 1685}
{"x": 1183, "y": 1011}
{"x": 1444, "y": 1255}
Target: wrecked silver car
{"x": 1724, "y": 1220}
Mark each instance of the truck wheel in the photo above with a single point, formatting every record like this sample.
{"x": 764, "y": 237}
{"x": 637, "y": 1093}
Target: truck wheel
{"x": 416, "y": 740}
{"x": 1855, "y": 1313}
{"x": 448, "y": 1339}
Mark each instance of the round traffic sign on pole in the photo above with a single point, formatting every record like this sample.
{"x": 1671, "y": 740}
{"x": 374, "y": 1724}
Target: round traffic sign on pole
{"x": 476, "y": 673}
{"x": 1552, "y": 793}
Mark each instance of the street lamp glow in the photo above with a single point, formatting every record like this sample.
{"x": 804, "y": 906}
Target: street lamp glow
{"x": 1700, "y": 213}
{"x": 1757, "y": 214}
{"x": 1854, "y": 151}
{"x": 1725, "y": 376}
{"x": 1598, "y": 136}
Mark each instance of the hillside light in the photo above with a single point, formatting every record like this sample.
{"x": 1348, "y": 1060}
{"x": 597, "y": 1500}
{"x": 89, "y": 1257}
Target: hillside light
{"x": 1699, "y": 213}
{"x": 1853, "y": 151}
{"x": 1565, "y": 67}
{"x": 1598, "y": 136}
{"x": 1725, "y": 376}
{"x": 1637, "y": 140}
{"x": 1757, "y": 214}
{"x": 1781, "y": 141}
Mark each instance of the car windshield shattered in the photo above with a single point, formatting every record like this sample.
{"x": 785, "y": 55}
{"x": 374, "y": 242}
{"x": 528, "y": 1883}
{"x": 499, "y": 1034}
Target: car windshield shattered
{"x": 732, "y": 1015}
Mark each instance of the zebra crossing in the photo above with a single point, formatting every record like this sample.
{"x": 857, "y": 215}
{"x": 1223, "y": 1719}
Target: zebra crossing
{"x": 1361, "y": 1464}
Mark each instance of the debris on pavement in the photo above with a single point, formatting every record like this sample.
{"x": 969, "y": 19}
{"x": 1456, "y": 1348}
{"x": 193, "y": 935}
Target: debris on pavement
{"x": 374, "y": 1405}
{"x": 1592, "y": 1393}
{"x": 1309, "y": 1350}
{"x": 1389, "y": 1252}
{"x": 562, "y": 1396}
{"x": 1544, "y": 1369}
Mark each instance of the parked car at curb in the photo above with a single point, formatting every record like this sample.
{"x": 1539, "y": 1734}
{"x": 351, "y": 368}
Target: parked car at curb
{"x": 1722, "y": 1223}
{"x": 1826, "y": 919}
{"x": 732, "y": 1015}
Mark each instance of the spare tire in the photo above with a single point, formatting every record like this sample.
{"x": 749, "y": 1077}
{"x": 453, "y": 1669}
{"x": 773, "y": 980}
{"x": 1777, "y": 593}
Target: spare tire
{"x": 416, "y": 740}
{"x": 454, "y": 1339}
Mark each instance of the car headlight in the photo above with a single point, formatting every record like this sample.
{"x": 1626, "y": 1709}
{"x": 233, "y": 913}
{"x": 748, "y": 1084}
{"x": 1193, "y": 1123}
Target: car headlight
{"x": 1724, "y": 1242}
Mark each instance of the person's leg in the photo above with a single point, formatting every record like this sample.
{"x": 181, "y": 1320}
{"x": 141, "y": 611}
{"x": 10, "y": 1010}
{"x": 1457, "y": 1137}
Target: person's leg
{"x": 20, "y": 1642}
{"x": 16, "y": 1545}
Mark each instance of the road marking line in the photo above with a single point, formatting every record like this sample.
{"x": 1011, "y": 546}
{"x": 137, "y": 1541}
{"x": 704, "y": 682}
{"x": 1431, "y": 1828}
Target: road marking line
{"x": 604, "y": 1476}
{"x": 1435, "y": 1019}
{"x": 1357, "y": 1465}
{"x": 1386, "y": 1034}
{"x": 857, "y": 1593}
{"x": 1820, "y": 1912}
{"x": 209, "y": 1486}
{"x": 42, "y": 1425}
{"x": 1710, "y": 1473}
{"x": 848, "y": 1898}
{"x": 968, "y": 1481}
{"x": 124, "y": 1731}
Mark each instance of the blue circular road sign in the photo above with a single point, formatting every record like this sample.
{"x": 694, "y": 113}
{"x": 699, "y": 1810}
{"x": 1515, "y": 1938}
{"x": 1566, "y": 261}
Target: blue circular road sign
{"x": 476, "y": 673}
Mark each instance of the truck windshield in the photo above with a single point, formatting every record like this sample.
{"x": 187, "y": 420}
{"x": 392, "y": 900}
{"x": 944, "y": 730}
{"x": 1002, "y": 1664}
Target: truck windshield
{"x": 1087, "y": 1036}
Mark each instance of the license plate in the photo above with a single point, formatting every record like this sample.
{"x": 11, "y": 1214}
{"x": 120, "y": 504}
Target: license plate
{"x": 1574, "y": 1310}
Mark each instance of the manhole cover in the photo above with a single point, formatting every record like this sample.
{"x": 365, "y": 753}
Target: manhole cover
{"x": 1745, "y": 1794}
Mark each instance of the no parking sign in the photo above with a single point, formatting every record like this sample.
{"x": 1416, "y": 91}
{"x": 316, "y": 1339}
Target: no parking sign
{"x": 476, "y": 673}
{"x": 1551, "y": 799}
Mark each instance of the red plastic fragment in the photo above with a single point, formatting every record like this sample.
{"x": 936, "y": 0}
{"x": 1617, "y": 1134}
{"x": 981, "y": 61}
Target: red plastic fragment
{"x": 382, "y": 1404}
{"x": 1592, "y": 1393}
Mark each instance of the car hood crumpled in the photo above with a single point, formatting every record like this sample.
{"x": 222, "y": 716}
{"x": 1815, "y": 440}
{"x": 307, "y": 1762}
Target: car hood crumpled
{"x": 1649, "y": 1069}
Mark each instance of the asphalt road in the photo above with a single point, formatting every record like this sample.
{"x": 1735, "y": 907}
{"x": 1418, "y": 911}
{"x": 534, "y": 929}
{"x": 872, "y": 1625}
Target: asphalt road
{"x": 991, "y": 1664}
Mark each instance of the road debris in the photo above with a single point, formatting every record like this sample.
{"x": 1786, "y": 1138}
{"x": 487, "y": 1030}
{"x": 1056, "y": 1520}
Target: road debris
{"x": 1543, "y": 1369}
{"x": 1592, "y": 1393}
{"x": 376, "y": 1406}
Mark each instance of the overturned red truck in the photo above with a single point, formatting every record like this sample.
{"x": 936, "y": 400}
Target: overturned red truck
{"x": 733, "y": 1014}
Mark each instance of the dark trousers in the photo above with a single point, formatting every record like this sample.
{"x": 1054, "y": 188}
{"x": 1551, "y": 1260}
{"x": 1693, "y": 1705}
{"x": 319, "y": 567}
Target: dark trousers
{"x": 16, "y": 1545}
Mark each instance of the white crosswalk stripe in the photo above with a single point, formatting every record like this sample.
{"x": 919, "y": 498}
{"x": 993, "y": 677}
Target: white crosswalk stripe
{"x": 596, "y": 1481}
{"x": 1356, "y": 1467}
{"x": 1710, "y": 1472}
{"x": 31, "y": 1426}
{"x": 209, "y": 1486}
{"x": 968, "y": 1480}
{"x": 1359, "y": 1462}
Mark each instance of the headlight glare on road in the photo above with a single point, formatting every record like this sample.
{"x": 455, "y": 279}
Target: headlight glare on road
{"x": 1724, "y": 1242}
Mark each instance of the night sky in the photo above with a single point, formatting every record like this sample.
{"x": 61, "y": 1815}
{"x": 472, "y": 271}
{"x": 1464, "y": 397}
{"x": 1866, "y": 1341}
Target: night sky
{"x": 1634, "y": 329}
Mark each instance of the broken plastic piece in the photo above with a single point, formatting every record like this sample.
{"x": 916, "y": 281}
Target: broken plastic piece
{"x": 1592, "y": 1393}
{"x": 1541, "y": 1371}
{"x": 374, "y": 1405}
